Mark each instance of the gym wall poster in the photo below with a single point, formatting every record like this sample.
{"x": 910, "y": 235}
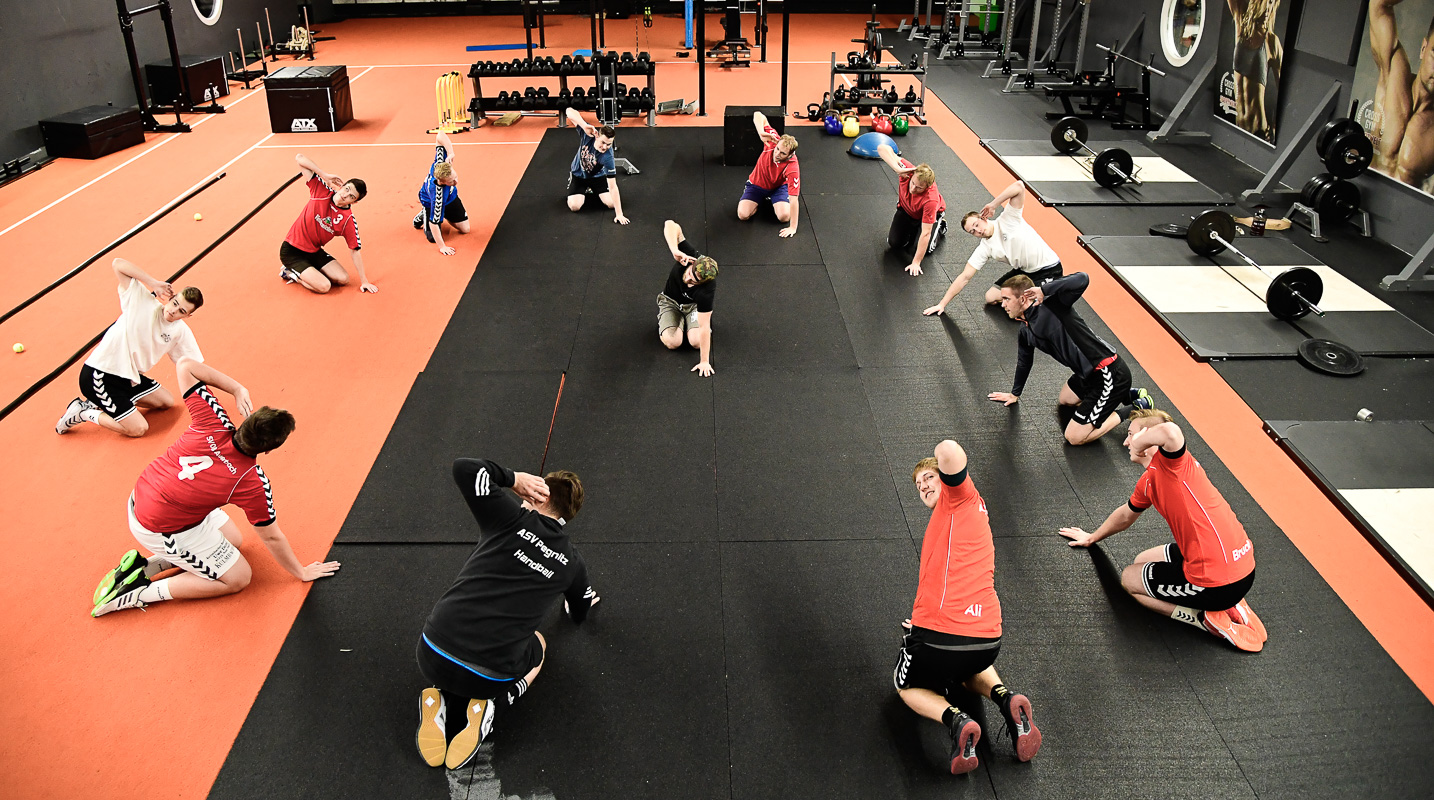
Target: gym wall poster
{"x": 1394, "y": 89}
{"x": 1249, "y": 60}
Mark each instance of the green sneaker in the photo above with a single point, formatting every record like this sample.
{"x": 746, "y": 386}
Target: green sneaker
{"x": 130, "y": 562}
{"x": 1143, "y": 400}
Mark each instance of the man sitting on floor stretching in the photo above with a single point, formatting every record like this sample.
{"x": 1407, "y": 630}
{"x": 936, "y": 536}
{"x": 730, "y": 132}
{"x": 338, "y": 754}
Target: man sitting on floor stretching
{"x": 686, "y": 300}
{"x": 777, "y": 178}
{"x": 328, "y": 213}
{"x": 919, "y": 207}
{"x": 480, "y": 647}
{"x": 954, "y": 634}
{"x": 1099, "y": 382}
{"x": 594, "y": 168}
{"x": 1008, "y": 239}
{"x": 1211, "y": 565}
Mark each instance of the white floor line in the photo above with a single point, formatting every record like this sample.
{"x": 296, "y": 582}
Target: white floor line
{"x": 311, "y": 146}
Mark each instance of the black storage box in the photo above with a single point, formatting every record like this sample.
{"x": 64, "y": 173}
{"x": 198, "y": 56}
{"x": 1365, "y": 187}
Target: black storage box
{"x": 92, "y": 132}
{"x": 309, "y": 99}
{"x": 205, "y": 75}
{"x": 741, "y": 146}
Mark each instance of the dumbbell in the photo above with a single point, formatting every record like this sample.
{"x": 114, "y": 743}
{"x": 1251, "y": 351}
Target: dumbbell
{"x": 580, "y": 65}
{"x": 1292, "y": 293}
{"x": 1344, "y": 148}
{"x": 649, "y": 102}
{"x": 501, "y": 101}
{"x": 1111, "y": 167}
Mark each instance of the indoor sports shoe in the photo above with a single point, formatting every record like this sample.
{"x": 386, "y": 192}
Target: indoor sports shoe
{"x": 288, "y": 275}
{"x": 72, "y": 414}
{"x": 1243, "y": 614}
{"x": 965, "y": 733}
{"x": 432, "y": 744}
{"x": 125, "y": 594}
{"x": 128, "y": 563}
{"x": 1025, "y": 736}
{"x": 1142, "y": 399}
{"x": 465, "y": 745}
{"x": 1241, "y": 636}
{"x": 418, "y": 225}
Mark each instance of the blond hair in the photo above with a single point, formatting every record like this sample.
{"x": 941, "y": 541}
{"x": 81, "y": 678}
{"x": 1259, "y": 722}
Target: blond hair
{"x": 1258, "y": 20}
{"x": 790, "y": 141}
{"x": 442, "y": 171}
{"x": 924, "y": 464}
{"x": 1150, "y": 413}
{"x": 926, "y": 174}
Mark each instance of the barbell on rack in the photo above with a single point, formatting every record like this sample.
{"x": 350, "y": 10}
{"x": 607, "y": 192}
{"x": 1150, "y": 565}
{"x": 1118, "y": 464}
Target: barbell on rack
{"x": 1292, "y": 293}
{"x": 1111, "y": 167}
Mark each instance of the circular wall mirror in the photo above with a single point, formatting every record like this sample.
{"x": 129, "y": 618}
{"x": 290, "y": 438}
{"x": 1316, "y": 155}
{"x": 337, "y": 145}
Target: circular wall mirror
{"x": 208, "y": 10}
{"x": 1181, "y": 23}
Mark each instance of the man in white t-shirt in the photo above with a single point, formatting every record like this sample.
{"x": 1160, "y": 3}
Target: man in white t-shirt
{"x": 151, "y": 325}
{"x": 1008, "y": 239}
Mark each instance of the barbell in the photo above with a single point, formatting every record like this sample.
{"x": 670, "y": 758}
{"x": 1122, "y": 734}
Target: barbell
{"x": 1292, "y": 293}
{"x": 1111, "y": 167}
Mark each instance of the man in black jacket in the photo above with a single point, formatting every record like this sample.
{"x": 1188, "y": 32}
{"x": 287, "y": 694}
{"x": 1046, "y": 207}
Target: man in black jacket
{"x": 1100, "y": 381}
{"x": 480, "y": 647}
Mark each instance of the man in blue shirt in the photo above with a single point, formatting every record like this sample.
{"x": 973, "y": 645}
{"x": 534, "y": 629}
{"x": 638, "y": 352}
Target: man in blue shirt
{"x": 439, "y": 198}
{"x": 593, "y": 170}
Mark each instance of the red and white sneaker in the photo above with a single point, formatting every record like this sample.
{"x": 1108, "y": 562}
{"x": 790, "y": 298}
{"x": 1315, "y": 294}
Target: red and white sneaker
{"x": 1025, "y": 736}
{"x": 1241, "y": 636}
{"x": 1243, "y": 614}
{"x": 965, "y": 733}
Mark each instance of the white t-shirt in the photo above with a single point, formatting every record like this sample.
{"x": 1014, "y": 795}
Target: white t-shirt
{"x": 1016, "y": 243}
{"x": 140, "y": 337}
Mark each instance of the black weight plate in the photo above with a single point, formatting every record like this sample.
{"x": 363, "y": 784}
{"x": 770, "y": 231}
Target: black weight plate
{"x": 1349, "y": 155}
{"x": 1332, "y": 130}
{"x": 1292, "y": 292}
{"x": 1113, "y": 167}
{"x": 1339, "y": 200}
{"x": 1308, "y": 195}
{"x": 1210, "y": 221}
{"x": 1171, "y": 229}
{"x": 1069, "y": 135}
{"x": 1330, "y": 357}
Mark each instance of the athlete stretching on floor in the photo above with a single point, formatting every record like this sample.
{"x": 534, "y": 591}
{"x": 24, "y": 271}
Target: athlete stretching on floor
{"x": 176, "y": 510}
{"x": 686, "y": 299}
{"x": 1099, "y": 382}
{"x": 480, "y": 647}
{"x": 776, "y": 179}
{"x": 594, "y": 168}
{"x": 954, "y": 633}
{"x": 919, "y": 207}
{"x": 1211, "y": 565}
{"x": 328, "y": 213}
{"x": 151, "y": 325}
{"x": 439, "y": 197}
{"x": 1008, "y": 239}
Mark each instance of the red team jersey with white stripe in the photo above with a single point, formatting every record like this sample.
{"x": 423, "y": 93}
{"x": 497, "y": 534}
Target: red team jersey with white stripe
{"x": 321, "y": 221}
{"x": 768, "y": 174}
{"x": 201, "y": 472}
{"x": 1213, "y": 543}
{"x": 956, "y": 592}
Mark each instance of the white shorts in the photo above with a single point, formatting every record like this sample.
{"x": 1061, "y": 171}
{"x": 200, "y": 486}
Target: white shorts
{"x": 202, "y": 550}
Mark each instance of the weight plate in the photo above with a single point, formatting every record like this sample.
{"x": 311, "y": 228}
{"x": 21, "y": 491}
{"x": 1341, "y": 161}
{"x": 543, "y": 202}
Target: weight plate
{"x": 1332, "y": 358}
{"x": 1338, "y": 202}
{"x": 1112, "y": 168}
{"x": 1171, "y": 229}
{"x": 1312, "y": 187}
{"x": 1211, "y": 221}
{"x": 1069, "y": 135}
{"x": 1349, "y": 154}
{"x": 1292, "y": 292}
{"x": 1332, "y": 130}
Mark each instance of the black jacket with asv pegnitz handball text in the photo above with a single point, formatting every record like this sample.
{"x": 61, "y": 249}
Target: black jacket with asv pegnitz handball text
{"x": 523, "y": 562}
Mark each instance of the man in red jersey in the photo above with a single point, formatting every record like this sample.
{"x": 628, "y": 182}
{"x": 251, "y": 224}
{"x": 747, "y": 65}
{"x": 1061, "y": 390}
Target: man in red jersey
{"x": 919, "y": 207}
{"x": 777, "y": 178}
{"x": 328, "y": 213}
{"x": 1211, "y": 565}
{"x": 954, "y": 633}
{"x": 176, "y": 509}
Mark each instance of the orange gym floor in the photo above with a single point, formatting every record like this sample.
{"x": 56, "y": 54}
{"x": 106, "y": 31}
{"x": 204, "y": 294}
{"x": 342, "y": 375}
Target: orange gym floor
{"x": 113, "y": 706}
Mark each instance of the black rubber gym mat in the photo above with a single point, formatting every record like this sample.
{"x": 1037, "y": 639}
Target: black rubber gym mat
{"x": 1393, "y": 388}
{"x": 757, "y": 241}
{"x": 619, "y": 325}
{"x": 565, "y": 237}
{"x": 1163, "y": 251}
{"x": 1370, "y": 333}
{"x": 1362, "y": 455}
{"x": 778, "y": 316}
{"x": 1088, "y": 192}
{"x": 515, "y": 319}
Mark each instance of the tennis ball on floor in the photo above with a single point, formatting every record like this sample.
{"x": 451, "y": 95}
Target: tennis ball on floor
{"x": 19, "y": 348}
{"x": 198, "y": 217}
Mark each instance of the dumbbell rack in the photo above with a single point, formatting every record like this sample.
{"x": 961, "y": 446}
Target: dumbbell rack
{"x": 480, "y": 105}
{"x": 918, "y": 107}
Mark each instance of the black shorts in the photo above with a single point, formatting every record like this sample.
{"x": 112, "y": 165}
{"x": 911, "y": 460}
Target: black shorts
{"x": 1101, "y": 393}
{"x": 578, "y": 185}
{"x": 1165, "y": 580}
{"x": 115, "y": 395}
{"x": 1040, "y": 276}
{"x": 454, "y": 212}
{"x": 941, "y": 666}
{"x": 464, "y": 680}
{"x": 300, "y": 260}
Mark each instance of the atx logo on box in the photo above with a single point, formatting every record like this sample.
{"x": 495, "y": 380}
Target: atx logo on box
{"x": 301, "y": 125}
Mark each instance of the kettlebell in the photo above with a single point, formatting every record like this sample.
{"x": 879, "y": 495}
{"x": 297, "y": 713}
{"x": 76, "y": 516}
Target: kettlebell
{"x": 853, "y": 60}
{"x": 899, "y": 125}
{"x": 891, "y": 96}
{"x": 840, "y": 94}
{"x": 881, "y": 123}
{"x": 814, "y": 111}
{"x": 851, "y": 125}
{"x": 831, "y": 125}
{"x": 910, "y": 94}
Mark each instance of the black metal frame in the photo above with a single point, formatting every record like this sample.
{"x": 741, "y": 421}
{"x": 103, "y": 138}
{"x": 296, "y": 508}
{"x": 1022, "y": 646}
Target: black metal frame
{"x": 147, "y": 109}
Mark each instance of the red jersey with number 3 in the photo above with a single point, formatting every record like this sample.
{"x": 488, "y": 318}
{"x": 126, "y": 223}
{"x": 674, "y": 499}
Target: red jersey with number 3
{"x": 201, "y": 472}
{"x": 768, "y": 174}
{"x": 956, "y": 592}
{"x": 1213, "y": 544}
{"x": 321, "y": 221}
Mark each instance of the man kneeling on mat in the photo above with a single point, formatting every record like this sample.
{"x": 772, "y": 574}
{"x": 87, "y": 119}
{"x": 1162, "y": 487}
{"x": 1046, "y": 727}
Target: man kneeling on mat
{"x": 439, "y": 197}
{"x": 328, "y": 213}
{"x": 594, "y": 169}
{"x": 480, "y": 647}
{"x": 954, "y": 633}
{"x": 686, "y": 300}
{"x": 1099, "y": 382}
{"x": 919, "y": 207}
{"x": 1008, "y": 239}
{"x": 777, "y": 178}
{"x": 1210, "y": 567}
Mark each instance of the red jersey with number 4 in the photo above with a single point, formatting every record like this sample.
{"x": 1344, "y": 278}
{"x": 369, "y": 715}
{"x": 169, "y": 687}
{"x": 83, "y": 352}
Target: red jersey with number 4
{"x": 768, "y": 174}
{"x": 321, "y": 221}
{"x": 956, "y": 592}
{"x": 201, "y": 472}
{"x": 1213, "y": 543}
{"x": 924, "y": 206}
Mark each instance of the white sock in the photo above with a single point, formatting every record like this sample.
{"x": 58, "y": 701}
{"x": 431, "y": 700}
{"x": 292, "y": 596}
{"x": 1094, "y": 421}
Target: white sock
{"x": 90, "y": 415}
{"x": 155, "y": 566}
{"x": 1189, "y": 616}
{"x": 156, "y": 592}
